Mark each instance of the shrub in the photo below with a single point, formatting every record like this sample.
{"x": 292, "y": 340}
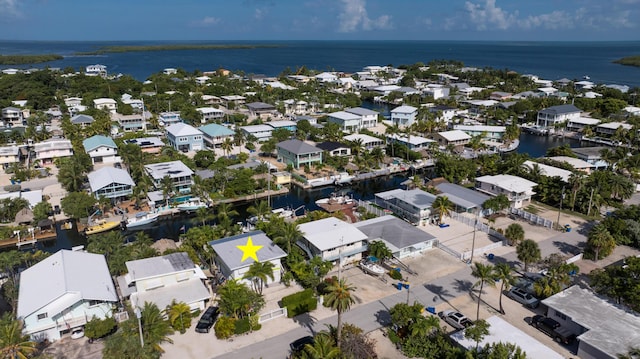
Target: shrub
{"x": 242, "y": 326}
{"x": 303, "y": 306}
{"x": 98, "y": 328}
{"x": 296, "y": 297}
{"x": 394, "y": 274}
{"x": 224, "y": 327}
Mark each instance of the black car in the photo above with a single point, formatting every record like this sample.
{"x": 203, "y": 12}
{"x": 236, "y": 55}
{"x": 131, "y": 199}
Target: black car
{"x": 207, "y": 319}
{"x": 298, "y": 345}
{"x": 553, "y": 329}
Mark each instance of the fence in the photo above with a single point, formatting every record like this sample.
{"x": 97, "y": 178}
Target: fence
{"x": 574, "y": 259}
{"x": 273, "y": 314}
{"x": 450, "y": 251}
{"x": 483, "y": 227}
{"x": 532, "y": 218}
{"x": 372, "y": 209}
{"x": 482, "y": 250}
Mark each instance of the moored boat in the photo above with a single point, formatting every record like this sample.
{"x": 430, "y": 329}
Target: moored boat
{"x": 101, "y": 227}
{"x": 142, "y": 219}
{"x": 192, "y": 205}
{"x": 371, "y": 268}
{"x": 343, "y": 178}
{"x": 335, "y": 198}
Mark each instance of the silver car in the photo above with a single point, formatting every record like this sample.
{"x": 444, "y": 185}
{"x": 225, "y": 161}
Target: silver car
{"x": 522, "y": 297}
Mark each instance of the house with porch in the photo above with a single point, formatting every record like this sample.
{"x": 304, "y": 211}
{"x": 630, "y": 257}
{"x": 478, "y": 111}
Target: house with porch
{"x": 147, "y": 144}
{"x": 335, "y": 149}
{"x": 9, "y": 155}
{"x": 107, "y": 104}
{"x": 96, "y": 70}
{"x": 610, "y": 128}
{"x": 82, "y": 120}
{"x": 493, "y": 133}
{"x": 101, "y": 149}
{"x": 184, "y": 137}
{"x": 12, "y": 117}
{"x": 298, "y": 153}
{"x": 347, "y": 121}
{"x": 403, "y": 239}
{"x": 591, "y": 155}
{"x": 333, "y": 240}
{"x": 453, "y": 138}
{"x": 368, "y": 118}
{"x": 553, "y": 115}
{"x": 260, "y": 132}
{"x": 181, "y": 175}
{"x": 214, "y": 135}
{"x": 368, "y": 142}
{"x": 288, "y": 125}
{"x": 404, "y": 115}
{"x": 110, "y": 182}
{"x": 414, "y": 143}
{"x": 167, "y": 119}
{"x": 413, "y": 205}
{"x": 210, "y": 114}
{"x": 518, "y": 190}
{"x": 261, "y": 109}
{"x": 47, "y": 151}
{"x": 63, "y": 292}
{"x": 132, "y": 123}
{"x": 161, "y": 280}
{"x": 581, "y": 123}
{"x": 464, "y": 200}
{"x": 229, "y": 256}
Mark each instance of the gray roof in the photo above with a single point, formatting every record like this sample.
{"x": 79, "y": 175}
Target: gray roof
{"x": 82, "y": 119}
{"x": 298, "y": 147}
{"x": 66, "y": 277}
{"x": 231, "y": 255}
{"x": 589, "y": 152}
{"x": 416, "y": 197}
{"x": 361, "y": 111}
{"x": 189, "y": 291}
{"x": 560, "y": 109}
{"x": 107, "y": 175}
{"x": 159, "y": 266}
{"x": 611, "y": 329}
{"x": 330, "y": 146}
{"x": 394, "y": 231}
{"x": 462, "y": 196}
{"x": 260, "y": 106}
{"x": 173, "y": 169}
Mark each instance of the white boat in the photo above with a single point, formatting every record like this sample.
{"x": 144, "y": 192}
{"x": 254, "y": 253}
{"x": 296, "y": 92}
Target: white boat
{"x": 372, "y": 268}
{"x": 282, "y": 212}
{"x": 322, "y": 181}
{"x": 192, "y": 205}
{"x": 335, "y": 199}
{"x": 343, "y": 178}
{"x": 141, "y": 219}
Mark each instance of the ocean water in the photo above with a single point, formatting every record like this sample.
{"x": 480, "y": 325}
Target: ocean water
{"x": 549, "y": 60}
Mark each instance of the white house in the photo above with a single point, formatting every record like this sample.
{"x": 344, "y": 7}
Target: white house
{"x": 413, "y": 143}
{"x": 404, "y": 115}
{"x": 368, "y": 142}
{"x": 403, "y": 239}
{"x": 47, "y": 151}
{"x": 413, "y": 205}
{"x": 333, "y": 240}
{"x": 210, "y": 114}
{"x": 347, "y": 121}
{"x": 101, "y": 149}
{"x": 580, "y": 123}
{"x": 110, "y": 182}
{"x": 260, "y": 132}
{"x": 169, "y": 118}
{"x": 161, "y": 280}
{"x": 550, "y": 116}
{"x": 184, "y": 137}
{"x": 548, "y": 171}
{"x": 180, "y": 174}
{"x": 108, "y": 104}
{"x": 230, "y": 256}
{"x": 517, "y": 189}
{"x": 487, "y": 132}
{"x": 96, "y": 70}
{"x": 326, "y": 77}
{"x": 368, "y": 118}
{"x": 63, "y": 292}
{"x": 9, "y": 155}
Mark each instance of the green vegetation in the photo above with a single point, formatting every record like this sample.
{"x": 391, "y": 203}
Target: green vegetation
{"x": 300, "y": 302}
{"x": 98, "y": 328}
{"x": 27, "y": 59}
{"x": 619, "y": 282}
{"x": 173, "y": 47}
{"x": 629, "y": 61}
{"x": 14, "y": 344}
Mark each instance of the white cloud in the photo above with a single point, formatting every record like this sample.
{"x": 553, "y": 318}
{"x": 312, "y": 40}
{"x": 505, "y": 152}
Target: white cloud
{"x": 9, "y": 8}
{"x": 489, "y": 15}
{"x": 354, "y": 17}
{"x": 206, "y": 21}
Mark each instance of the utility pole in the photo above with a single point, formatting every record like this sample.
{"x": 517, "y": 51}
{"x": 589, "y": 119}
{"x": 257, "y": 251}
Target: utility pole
{"x": 139, "y": 316}
{"x": 473, "y": 241}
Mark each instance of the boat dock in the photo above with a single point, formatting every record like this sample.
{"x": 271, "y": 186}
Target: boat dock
{"x": 31, "y": 238}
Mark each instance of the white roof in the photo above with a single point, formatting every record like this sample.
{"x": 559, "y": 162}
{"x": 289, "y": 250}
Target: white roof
{"x": 33, "y": 197}
{"x": 404, "y": 109}
{"x": 107, "y": 175}
{"x": 454, "y": 135}
{"x": 549, "y": 171}
{"x": 257, "y": 128}
{"x": 104, "y": 101}
{"x": 158, "y": 266}
{"x": 173, "y": 169}
{"x": 509, "y": 183}
{"x": 414, "y": 140}
{"x": 502, "y": 331}
{"x": 282, "y": 123}
{"x": 585, "y": 121}
{"x": 486, "y": 103}
{"x": 182, "y": 129}
{"x": 189, "y": 291}
{"x": 575, "y": 162}
{"x": 480, "y": 128}
{"x": 67, "y": 276}
{"x": 345, "y": 116}
{"x": 615, "y": 125}
{"x": 329, "y": 233}
{"x": 206, "y": 110}
{"x": 365, "y": 138}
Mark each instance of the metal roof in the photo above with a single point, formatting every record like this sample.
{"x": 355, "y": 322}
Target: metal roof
{"x": 107, "y": 175}
{"x": 97, "y": 141}
{"x": 158, "y": 266}
{"x": 394, "y": 231}
{"x": 362, "y": 111}
{"x": 298, "y": 147}
{"x": 82, "y": 119}
{"x": 229, "y": 253}
{"x": 215, "y": 130}
{"x": 182, "y": 129}
{"x": 173, "y": 169}
{"x": 560, "y": 109}
{"x": 416, "y": 197}
{"x": 329, "y": 233}
{"x": 462, "y": 196}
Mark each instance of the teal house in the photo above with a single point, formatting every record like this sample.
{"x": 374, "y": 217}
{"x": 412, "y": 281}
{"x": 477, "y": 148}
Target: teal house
{"x": 298, "y": 153}
{"x": 214, "y": 134}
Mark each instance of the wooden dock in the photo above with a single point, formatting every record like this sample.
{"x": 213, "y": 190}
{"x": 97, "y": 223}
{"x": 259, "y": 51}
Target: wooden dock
{"x": 29, "y": 239}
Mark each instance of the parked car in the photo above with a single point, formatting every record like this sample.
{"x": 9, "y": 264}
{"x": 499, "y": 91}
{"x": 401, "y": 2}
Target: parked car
{"x": 207, "y": 320}
{"x": 455, "y": 319}
{"x": 553, "y": 329}
{"x": 57, "y": 209}
{"x": 77, "y": 333}
{"x": 298, "y": 345}
{"x": 522, "y": 297}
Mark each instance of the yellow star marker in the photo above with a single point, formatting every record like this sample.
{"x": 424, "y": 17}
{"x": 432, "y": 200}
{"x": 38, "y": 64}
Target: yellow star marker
{"x": 249, "y": 250}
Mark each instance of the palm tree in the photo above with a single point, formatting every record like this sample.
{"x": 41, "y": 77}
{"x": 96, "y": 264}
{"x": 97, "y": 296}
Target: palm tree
{"x": 528, "y": 252}
{"x": 379, "y": 250}
{"x": 166, "y": 184}
{"x": 203, "y": 214}
{"x": 227, "y": 146}
{"x": 239, "y": 138}
{"x": 377, "y": 154}
{"x": 179, "y": 315}
{"x": 514, "y": 233}
{"x": 425, "y": 326}
{"x": 485, "y": 275}
{"x": 442, "y": 206}
{"x": 71, "y": 174}
{"x": 260, "y": 209}
{"x": 599, "y": 240}
{"x": 502, "y": 272}
{"x": 323, "y": 347}
{"x": 155, "y": 329}
{"x": 258, "y": 273}
{"x": 339, "y": 299}
{"x": 390, "y": 131}
{"x": 225, "y": 210}
{"x": 288, "y": 233}
{"x": 13, "y": 344}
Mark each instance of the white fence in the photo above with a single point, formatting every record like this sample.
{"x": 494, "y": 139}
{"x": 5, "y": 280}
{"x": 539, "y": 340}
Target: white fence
{"x": 532, "y": 218}
{"x": 574, "y": 259}
{"x": 482, "y": 250}
{"x": 482, "y": 227}
{"x": 372, "y": 209}
{"x": 273, "y": 314}
{"x": 449, "y": 250}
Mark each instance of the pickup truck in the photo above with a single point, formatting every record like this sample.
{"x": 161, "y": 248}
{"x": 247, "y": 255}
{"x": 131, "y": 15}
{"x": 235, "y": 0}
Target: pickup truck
{"x": 553, "y": 329}
{"x": 455, "y": 319}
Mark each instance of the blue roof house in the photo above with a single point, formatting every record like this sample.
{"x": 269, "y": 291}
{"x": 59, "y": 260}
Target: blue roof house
{"x": 215, "y": 134}
{"x": 101, "y": 149}
{"x": 184, "y": 137}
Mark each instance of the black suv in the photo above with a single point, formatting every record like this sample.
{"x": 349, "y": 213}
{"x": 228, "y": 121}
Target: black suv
{"x": 553, "y": 329}
{"x": 207, "y": 319}
{"x": 298, "y": 345}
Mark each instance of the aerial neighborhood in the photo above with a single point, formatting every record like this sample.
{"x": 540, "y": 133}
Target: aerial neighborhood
{"x": 386, "y": 212}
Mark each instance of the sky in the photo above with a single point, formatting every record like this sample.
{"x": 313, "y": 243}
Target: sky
{"x": 503, "y": 20}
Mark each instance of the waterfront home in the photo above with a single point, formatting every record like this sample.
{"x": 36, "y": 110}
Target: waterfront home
{"x": 260, "y": 132}
{"x": 605, "y": 330}
{"x": 494, "y": 133}
{"x": 96, "y": 70}
{"x": 610, "y": 128}
{"x": 233, "y": 100}
{"x": 214, "y": 135}
{"x": 10, "y": 71}
{"x": 581, "y": 123}
{"x": 403, "y": 239}
{"x": 518, "y": 190}
{"x": 82, "y": 120}
{"x": 147, "y": 144}
{"x": 9, "y": 155}
{"x": 368, "y": 142}
{"x": 184, "y": 137}
{"x": 229, "y": 257}
{"x": 547, "y": 171}
{"x": 412, "y": 205}
{"x": 47, "y": 151}
{"x": 101, "y": 149}
{"x": 333, "y": 240}
{"x": 136, "y": 104}
{"x": 453, "y": 138}
{"x": 553, "y": 115}
{"x": 13, "y": 117}
{"x": 412, "y": 142}
{"x": 330, "y": 77}
{"x": 110, "y": 182}
{"x": 574, "y": 162}
{"x": 132, "y": 123}
{"x": 464, "y": 199}
{"x": 162, "y": 280}
{"x": 404, "y": 115}
{"x": 210, "y": 114}
{"x": 64, "y": 291}
{"x": 167, "y": 119}
{"x": 347, "y": 121}
{"x": 444, "y": 113}
{"x": 298, "y": 153}
{"x": 181, "y": 175}
{"x": 261, "y": 109}
{"x": 335, "y": 149}
{"x": 33, "y": 197}
{"x": 107, "y": 104}
{"x": 435, "y": 91}
{"x": 591, "y": 155}
{"x": 368, "y": 118}
{"x": 290, "y": 126}
{"x": 500, "y": 96}
{"x": 170, "y": 71}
